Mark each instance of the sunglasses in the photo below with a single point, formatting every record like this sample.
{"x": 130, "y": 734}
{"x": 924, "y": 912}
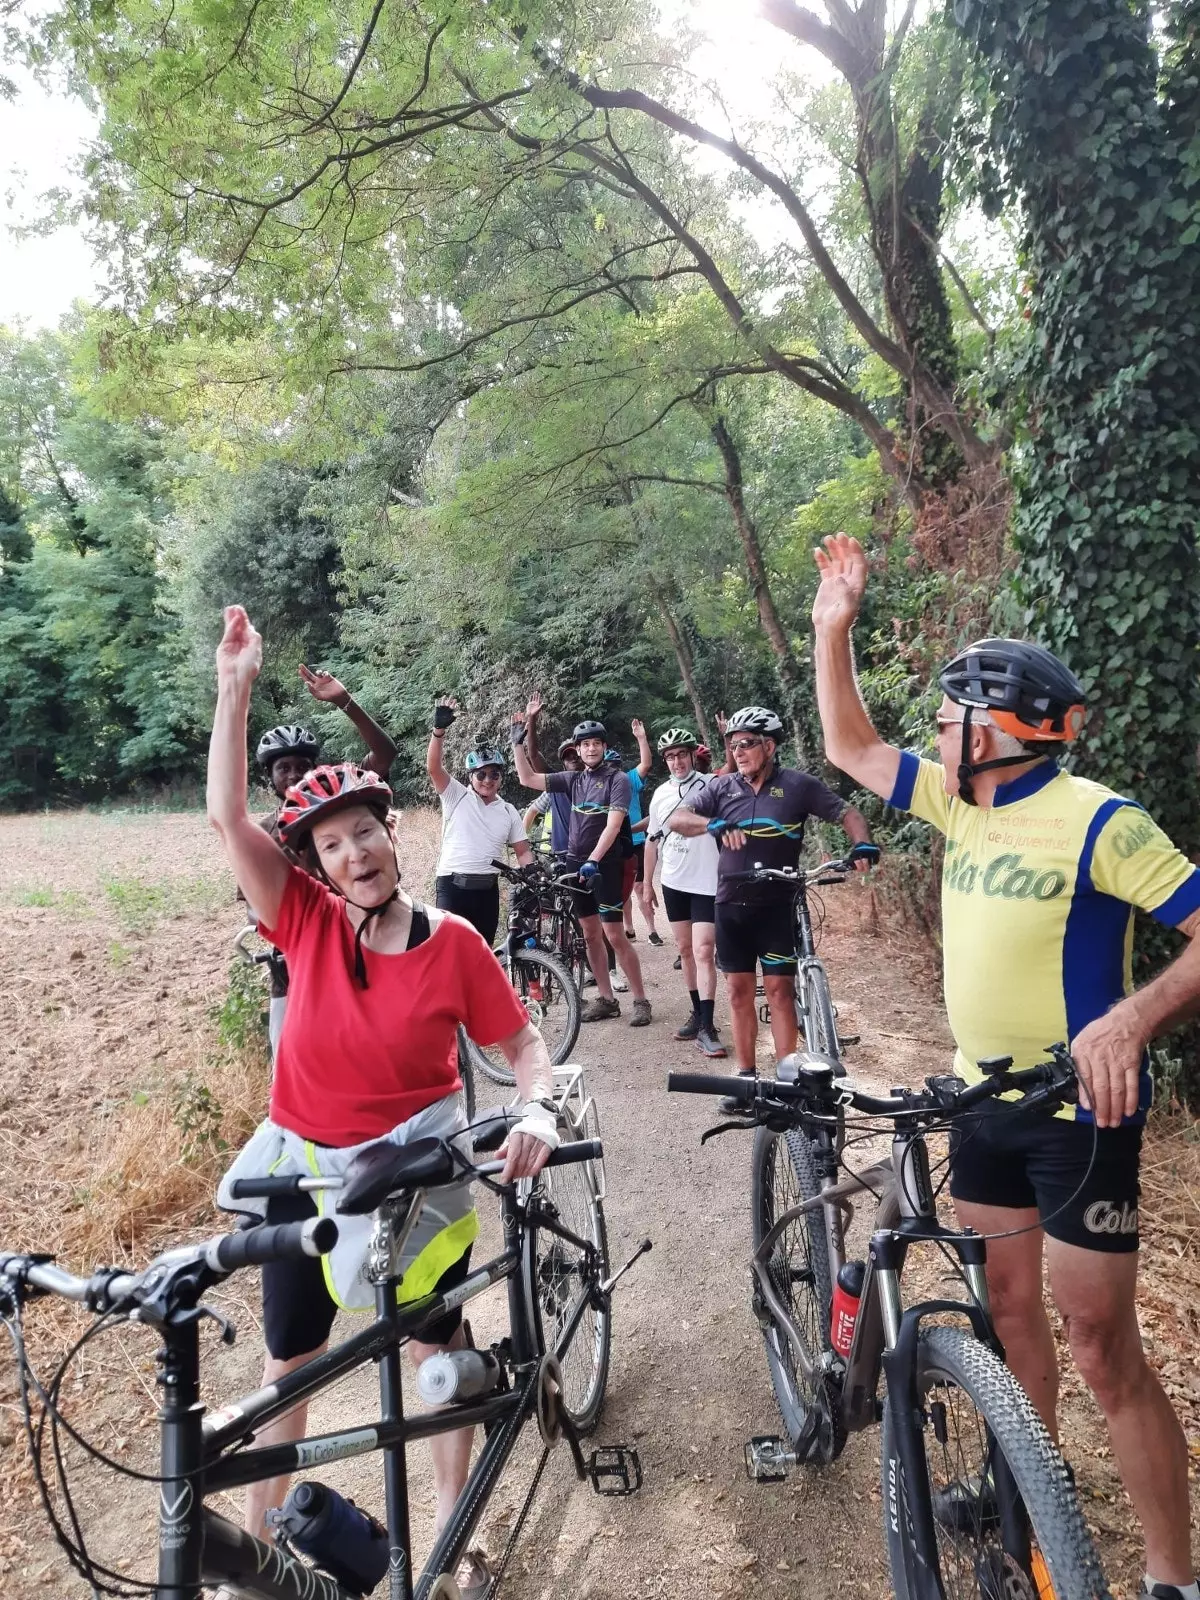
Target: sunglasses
{"x": 744, "y": 744}
{"x": 488, "y": 774}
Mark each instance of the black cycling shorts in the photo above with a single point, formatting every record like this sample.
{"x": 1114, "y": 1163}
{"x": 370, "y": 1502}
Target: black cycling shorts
{"x": 605, "y": 897}
{"x": 750, "y": 934}
{"x": 1021, "y": 1159}
{"x": 298, "y": 1310}
{"x": 479, "y": 907}
{"x": 683, "y": 906}
{"x": 639, "y": 855}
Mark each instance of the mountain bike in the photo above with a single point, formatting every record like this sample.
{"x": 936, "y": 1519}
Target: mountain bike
{"x": 542, "y": 981}
{"x": 560, "y": 1287}
{"x": 816, "y": 1014}
{"x": 977, "y": 1500}
{"x": 561, "y": 928}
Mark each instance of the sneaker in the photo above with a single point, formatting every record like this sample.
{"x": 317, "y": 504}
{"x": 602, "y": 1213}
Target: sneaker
{"x": 630, "y": 935}
{"x": 732, "y": 1107}
{"x": 474, "y": 1576}
{"x": 1160, "y": 1591}
{"x": 677, "y": 964}
{"x": 655, "y": 938}
{"x": 641, "y": 1014}
{"x": 600, "y": 1009}
{"x": 620, "y": 982}
{"x": 709, "y": 1042}
{"x": 690, "y": 1029}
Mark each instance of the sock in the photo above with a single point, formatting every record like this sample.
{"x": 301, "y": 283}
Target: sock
{"x": 696, "y": 1002}
{"x": 1185, "y": 1591}
{"x": 706, "y": 1013}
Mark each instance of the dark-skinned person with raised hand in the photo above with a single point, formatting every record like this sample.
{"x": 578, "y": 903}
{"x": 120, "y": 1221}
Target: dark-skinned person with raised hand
{"x": 368, "y": 1051}
{"x": 1043, "y": 872}
{"x": 758, "y": 814}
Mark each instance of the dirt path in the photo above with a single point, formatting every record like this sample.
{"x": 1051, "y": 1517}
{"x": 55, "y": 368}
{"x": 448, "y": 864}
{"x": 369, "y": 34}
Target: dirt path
{"x": 689, "y": 1383}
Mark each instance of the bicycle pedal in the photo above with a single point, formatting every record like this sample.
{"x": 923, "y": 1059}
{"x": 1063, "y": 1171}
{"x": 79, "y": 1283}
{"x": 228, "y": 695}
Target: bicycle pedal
{"x": 845, "y": 1039}
{"x": 615, "y": 1469}
{"x": 768, "y": 1458}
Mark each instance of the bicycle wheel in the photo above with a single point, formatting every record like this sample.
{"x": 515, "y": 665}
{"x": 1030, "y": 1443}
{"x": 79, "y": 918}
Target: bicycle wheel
{"x": 814, "y": 1011}
{"x": 976, "y": 1416}
{"x": 552, "y": 1000}
{"x": 783, "y": 1175}
{"x": 555, "y": 1278}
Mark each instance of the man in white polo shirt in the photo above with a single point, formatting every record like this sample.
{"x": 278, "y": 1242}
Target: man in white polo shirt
{"x": 477, "y": 827}
{"x": 689, "y": 885}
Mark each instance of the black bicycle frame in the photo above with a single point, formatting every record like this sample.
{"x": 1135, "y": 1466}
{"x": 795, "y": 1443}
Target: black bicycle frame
{"x": 197, "y": 1546}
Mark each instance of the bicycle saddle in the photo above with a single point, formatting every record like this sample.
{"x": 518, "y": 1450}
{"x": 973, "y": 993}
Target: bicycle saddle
{"x": 385, "y": 1168}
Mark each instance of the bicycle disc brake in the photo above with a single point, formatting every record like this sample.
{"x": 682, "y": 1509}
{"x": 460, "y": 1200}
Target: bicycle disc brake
{"x": 1000, "y": 1577}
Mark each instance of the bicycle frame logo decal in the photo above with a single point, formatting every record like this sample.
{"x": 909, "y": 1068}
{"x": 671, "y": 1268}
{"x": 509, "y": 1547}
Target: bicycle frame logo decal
{"x": 308, "y": 1582}
{"x": 396, "y": 1566}
{"x": 312, "y": 1453}
{"x": 173, "y": 1526}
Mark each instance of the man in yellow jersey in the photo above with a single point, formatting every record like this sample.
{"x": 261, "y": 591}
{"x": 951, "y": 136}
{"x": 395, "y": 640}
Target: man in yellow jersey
{"x": 1043, "y": 871}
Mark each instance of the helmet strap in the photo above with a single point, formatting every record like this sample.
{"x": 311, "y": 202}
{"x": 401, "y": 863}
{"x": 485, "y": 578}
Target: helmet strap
{"x": 360, "y": 964}
{"x": 968, "y": 770}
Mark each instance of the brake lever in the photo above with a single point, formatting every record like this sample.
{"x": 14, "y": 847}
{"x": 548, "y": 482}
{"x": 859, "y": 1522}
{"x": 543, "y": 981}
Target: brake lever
{"x": 728, "y": 1127}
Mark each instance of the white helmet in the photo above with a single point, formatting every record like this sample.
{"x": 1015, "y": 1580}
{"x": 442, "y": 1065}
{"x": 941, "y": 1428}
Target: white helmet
{"x": 755, "y": 719}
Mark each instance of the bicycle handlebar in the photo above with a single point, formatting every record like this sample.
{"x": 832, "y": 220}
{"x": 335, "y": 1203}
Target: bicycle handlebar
{"x": 846, "y": 864}
{"x": 285, "y": 1241}
{"x": 1052, "y": 1080}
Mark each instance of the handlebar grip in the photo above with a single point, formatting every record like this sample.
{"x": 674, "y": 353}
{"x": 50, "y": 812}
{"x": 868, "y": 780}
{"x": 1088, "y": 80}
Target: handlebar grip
{"x": 702, "y": 1083}
{"x": 264, "y": 1188}
{"x": 288, "y": 1241}
{"x": 580, "y": 1150}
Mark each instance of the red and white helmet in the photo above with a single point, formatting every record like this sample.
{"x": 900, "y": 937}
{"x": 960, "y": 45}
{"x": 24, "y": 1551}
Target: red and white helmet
{"x": 325, "y": 790}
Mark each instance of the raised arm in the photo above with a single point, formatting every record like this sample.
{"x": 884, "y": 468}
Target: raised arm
{"x": 444, "y": 713}
{"x": 526, "y": 775}
{"x": 851, "y": 742}
{"x": 645, "y": 754}
{"x": 381, "y": 750}
{"x": 533, "y": 710}
{"x": 259, "y": 865}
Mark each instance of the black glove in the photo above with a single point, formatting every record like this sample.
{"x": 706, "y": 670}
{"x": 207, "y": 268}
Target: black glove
{"x": 516, "y": 733}
{"x": 443, "y": 716}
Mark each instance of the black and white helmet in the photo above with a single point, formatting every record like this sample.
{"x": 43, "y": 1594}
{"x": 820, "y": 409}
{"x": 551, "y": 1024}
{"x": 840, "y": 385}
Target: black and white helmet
{"x": 755, "y": 719}
{"x": 288, "y": 740}
{"x": 676, "y": 739}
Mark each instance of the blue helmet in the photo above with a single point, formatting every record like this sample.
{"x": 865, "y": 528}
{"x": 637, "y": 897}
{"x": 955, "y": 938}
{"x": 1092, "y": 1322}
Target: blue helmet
{"x": 484, "y": 756}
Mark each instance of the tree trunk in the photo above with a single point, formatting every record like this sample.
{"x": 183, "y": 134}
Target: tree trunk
{"x": 785, "y": 662}
{"x": 683, "y": 654}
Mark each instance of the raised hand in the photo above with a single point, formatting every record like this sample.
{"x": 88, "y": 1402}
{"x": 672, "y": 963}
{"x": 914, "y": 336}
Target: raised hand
{"x": 239, "y": 654}
{"x": 533, "y": 707}
{"x": 843, "y": 568}
{"x": 323, "y": 685}
{"x": 722, "y": 723}
{"x": 639, "y": 728}
{"x": 445, "y": 710}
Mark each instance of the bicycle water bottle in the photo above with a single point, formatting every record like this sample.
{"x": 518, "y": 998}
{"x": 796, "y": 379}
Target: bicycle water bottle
{"x": 343, "y": 1541}
{"x": 457, "y": 1375}
{"x": 847, "y": 1297}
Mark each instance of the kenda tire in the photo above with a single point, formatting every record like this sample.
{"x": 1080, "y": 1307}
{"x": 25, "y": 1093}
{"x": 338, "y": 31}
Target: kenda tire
{"x": 535, "y": 964}
{"x": 954, "y": 1357}
{"x": 815, "y": 1012}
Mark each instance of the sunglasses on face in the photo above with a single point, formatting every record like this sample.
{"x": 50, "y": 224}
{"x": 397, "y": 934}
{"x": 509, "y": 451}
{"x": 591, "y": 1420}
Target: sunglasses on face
{"x": 744, "y": 744}
{"x": 488, "y": 775}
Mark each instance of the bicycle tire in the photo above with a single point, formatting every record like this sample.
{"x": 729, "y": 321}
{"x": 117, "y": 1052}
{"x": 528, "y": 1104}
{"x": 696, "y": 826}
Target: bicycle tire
{"x": 783, "y": 1173}
{"x": 559, "y": 995}
{"x": 953, "y": 1359}
{"x": 816, "y": 1014}
{"x": 551, "y": 1268}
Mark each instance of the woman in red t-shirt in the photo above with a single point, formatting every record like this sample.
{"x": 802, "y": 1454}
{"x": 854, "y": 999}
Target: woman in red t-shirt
{"x": 381, "y": 986}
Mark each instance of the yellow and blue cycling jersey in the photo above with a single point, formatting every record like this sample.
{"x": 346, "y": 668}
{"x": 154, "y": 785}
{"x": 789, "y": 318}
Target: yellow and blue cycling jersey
{"x": 1038, "y": 896}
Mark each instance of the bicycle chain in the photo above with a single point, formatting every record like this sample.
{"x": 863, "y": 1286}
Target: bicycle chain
{"x": 518, "y": 1525}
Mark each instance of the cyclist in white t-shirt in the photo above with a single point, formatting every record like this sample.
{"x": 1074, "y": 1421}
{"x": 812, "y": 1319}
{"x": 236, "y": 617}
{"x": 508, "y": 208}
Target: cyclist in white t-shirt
{"x": 477, "y": 827}
{"x": 689, "y": 885}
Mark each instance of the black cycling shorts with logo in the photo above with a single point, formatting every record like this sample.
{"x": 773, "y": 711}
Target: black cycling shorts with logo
{"x": 298, "y": 1310}
{"x": 683, "y": 906}
{"x": 750, "y": 934}
{"x": 1022, "y": 1159}
{"x": 605, "y": 896}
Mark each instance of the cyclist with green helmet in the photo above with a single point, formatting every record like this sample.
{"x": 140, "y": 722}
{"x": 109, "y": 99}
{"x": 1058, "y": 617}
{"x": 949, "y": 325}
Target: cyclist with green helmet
{"x": 477, "y": 827}
{"x": 689, "y": 885}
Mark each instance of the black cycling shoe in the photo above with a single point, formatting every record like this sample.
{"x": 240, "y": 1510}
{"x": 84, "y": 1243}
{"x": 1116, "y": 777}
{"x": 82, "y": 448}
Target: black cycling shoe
{"x": 735, "y": 1108}
{"x": 654, "y": 937}
{"x": 677, "y": 964}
